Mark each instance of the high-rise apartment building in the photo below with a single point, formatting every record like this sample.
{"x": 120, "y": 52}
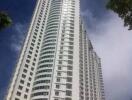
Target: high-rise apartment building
{"x": 57, "y": 61}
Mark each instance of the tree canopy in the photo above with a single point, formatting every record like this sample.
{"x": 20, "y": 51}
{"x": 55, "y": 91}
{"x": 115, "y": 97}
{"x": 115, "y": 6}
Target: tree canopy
{"x": 5, "y": 20}
{"x": 124, "y": 10}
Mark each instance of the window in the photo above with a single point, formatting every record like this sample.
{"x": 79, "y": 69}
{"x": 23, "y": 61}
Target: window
{"x": 33, "y": 64}
{"x": 72, "y": 31}
{"x": 68, "y": 93}
{"x": 17, "y": 99}
{"x": 60, "y": 57}
{"x": 26, "y": 65}
{"x": 69, "y": 67}
{"x": 37, "y": 51}
{"x": 18, "y": 93}
{"x": 31, "y": 73}
{"x": 33, "y": 40}
{"x": 23, "y": 75}
{"x": 69, "y": 79}
{"x": 59, "y": 67}
{"x": 30, "y": 52}
{"x": 27, "y": 90}
{"x": 71, "y": 39}
{"x": 69, "y": 86}
{"x": 29, "y": 56}
{"x": 27, "y": 61}
{"x": 35, "y": 33}
{"x": 32, "y": 68}
{"x": 41, "y": 87}
{"x": 56, "y": 93}
{"x": 72, "y": 35}
{"x": 70, "y": 57}
{"x": 70, "y": 62}
{"x": 25, "y": 71}
{"x": 25, "y": 96}
{"x": 41, "y": 76}
{"x": 70, "y": 52}
{"x": 58, "y": 79}
{"x": 22, "y": 81}
{"x": 31, "y": 48}
{"x": 57, "y": 86}
{"x": 20, "y": 87}
{"x": 41, "y": 81}
{"x": 69, "y": 73}
{"x": 39, "y": 39}
{"x": 69, "y": 99}
{"x": 37, "y": 47}
{"x": 32, "y": 44}
{"x": 36, "y": 54}
{"x": 34, "y": 59}
{"x": 40, "y": 93}
{"x": 60, "y": 62}
{"x": 59, "y": 74}
{"x": 30, "y": 79}
{"x": 28, "y": 84}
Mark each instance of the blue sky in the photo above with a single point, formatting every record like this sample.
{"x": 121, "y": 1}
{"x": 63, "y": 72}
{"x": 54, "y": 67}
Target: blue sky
{"x": 12, "y": 38}
{"x": 111, "y": 40}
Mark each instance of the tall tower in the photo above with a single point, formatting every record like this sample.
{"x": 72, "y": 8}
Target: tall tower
{"x": 57, "y": 61}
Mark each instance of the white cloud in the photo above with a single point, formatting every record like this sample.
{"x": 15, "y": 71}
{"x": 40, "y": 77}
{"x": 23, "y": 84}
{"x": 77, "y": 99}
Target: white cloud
{"x": 113, "y": 43}
{"x": 18, "y": 37}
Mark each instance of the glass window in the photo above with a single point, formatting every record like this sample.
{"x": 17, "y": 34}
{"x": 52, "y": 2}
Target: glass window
{"x": 22, "y": 81}
{"x": 70, "y": 62}
{"x": 56, "y": 93}
{"x": 25, "y": 96}
{"x": 30, "y": 79}
{"x": 68, "y": 93}
{"x": 57, "y": 86}
{"x": 69, "y": 73}
{"x": 28, "y": 61}
{"x": 17, "y": 99}
{"x": 68, "y": 99}
{"x": 30, "y": 52}
{"x": 25, "y": 71}
{"x": 59, "y": 74}
{"x": 33, "y": 64}
{"x": 29, "y": 56}
{"x": 69, "y": 67}
{"x": 69, "y": 79}
{"x": 31, "y": 73}
{"x": 31, "y": 48}
{"x": 20, "y": 87}
{"x": 58, "y": 79}
{"x": 32, "y": 44}
{"x": 59, "y": 67}
{"x": 70, "y": 57}
{"x": 28, "y": 84}
{"x": 26, "y": 65}
{"x": 69, "y": 86}
{"x": 18, "y": 93}
{"x": 27, "y": 90}
{"x": 32, "y": 68}
{"x": 23, "y": 75}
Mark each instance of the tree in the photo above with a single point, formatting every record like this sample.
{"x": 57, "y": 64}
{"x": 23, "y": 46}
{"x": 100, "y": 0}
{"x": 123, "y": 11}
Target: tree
{"x": 124, "y": 10}
{"x": 5, "y": 20}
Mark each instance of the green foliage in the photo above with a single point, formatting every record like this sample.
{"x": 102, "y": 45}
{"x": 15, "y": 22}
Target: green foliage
{"x": 5, "y": 20}
{"x": 124, "y": 10}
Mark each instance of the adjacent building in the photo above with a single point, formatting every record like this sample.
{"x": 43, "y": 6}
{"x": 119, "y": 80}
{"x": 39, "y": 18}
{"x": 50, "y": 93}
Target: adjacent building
{"x": 57, "y": 60}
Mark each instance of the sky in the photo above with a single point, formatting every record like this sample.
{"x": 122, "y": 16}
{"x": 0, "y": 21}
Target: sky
{"x": 111, "y": 40}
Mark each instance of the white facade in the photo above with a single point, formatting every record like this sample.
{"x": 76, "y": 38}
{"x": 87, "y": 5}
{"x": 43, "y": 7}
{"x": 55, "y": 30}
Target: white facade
{"x": 57, "y": 61}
